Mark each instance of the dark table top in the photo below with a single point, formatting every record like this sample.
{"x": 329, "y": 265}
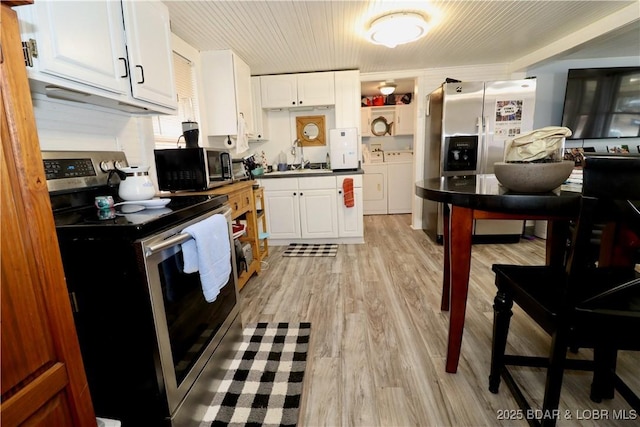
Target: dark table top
{"x": 483, "y": 192}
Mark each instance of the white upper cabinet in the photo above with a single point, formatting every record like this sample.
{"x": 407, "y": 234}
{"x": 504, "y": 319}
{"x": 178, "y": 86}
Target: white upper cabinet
{"x": 80, "y": 41}
{"x": 404, "y": 120}
{"x": 227, "y": 93}
{"x": 148, "y": 36}
{"x": 347, "y": 99}
{"x": 81, "y": 49}
{"x": 260, "y": 118}
{"x": 298, "y": 90}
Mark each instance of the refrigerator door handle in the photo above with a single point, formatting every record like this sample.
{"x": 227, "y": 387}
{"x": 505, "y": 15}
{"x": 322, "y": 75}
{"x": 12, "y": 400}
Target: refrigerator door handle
{"x": 485, "y": 146}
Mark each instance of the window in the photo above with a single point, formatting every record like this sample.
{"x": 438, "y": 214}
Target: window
{"x": 167, "y": 129}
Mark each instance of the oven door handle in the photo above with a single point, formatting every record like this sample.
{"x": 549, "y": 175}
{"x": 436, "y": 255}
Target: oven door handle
{"x": 167, "y": 243}
{"x": 181, "y": 237}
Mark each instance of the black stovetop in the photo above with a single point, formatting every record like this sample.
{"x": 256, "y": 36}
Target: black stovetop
{"x": 78, "y": 219}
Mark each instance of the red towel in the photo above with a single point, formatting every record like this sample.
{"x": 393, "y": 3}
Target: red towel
{"x": 347, "y": 189}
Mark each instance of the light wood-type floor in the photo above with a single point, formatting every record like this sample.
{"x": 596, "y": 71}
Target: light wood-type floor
{"x": 379, "y": 338}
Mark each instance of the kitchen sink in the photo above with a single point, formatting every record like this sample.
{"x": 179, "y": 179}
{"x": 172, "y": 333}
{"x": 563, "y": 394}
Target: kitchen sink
{"x": 299, "y": 172}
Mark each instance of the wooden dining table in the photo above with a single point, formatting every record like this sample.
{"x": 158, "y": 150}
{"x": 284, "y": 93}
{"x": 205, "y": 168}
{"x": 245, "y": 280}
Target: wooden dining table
{"x": 471, "y": 197}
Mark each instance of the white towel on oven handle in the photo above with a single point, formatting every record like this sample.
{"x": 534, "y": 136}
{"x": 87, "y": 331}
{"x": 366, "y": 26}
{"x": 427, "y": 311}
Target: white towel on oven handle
{"x": 209, "y": 252}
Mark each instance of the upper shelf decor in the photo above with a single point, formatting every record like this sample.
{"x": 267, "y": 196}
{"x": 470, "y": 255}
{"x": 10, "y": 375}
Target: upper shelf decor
{"x": 380, "y": 126}
{"x": 310, "y": 130}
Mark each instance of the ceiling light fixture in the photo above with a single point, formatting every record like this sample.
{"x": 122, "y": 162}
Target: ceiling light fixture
{"x": 397, "y": 28}
{"x": 387, "y": 88}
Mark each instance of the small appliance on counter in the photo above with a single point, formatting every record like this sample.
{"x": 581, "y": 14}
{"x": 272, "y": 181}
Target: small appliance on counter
{"x": 196, "y": 169}
{"x": 190, "y": 132}
{"x": 240, "y": 171}
{"x": 343, "y": 148}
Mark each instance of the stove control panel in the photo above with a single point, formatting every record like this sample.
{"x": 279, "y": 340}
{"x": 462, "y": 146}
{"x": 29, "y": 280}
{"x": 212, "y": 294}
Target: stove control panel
{"x": 68, "y": 168}
{"x": 73, "y": 170}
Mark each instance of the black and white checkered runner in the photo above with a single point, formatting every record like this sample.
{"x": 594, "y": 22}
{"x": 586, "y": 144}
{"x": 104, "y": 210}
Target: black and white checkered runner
{"x": 264, "y": 383}
{"x": 311, "y": 249}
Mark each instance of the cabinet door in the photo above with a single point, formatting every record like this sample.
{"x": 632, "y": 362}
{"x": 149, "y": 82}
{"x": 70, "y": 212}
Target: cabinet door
{"x": 242, "y": 75}
{"x": 43, "y": 378}
{"x": 316, "y": 89}
{"x": 98, "y": 58}
{"x": 347, "y": 99}
{"x": 350, "y": 219}
{"x": 148, "y": 36}
{"x": 401, "y": 187}
{"x": 260, "y": 118}
{"x": 283, "y": 214}
{"x": 280, "y": 91}
{"x": 404, "y": 120}
{"x": 365, "y": 121}
{"x": 318, "y": 213}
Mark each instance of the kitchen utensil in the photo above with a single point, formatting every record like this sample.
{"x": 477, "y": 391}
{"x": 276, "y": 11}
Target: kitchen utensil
{"x": 146, "y": 204}
{"x": 137, "y": 185}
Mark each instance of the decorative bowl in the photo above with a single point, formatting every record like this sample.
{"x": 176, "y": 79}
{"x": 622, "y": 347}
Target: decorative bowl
{"x": 528, "y": 177}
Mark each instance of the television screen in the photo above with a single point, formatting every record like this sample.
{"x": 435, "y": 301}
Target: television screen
{"x": 602, "y": 103}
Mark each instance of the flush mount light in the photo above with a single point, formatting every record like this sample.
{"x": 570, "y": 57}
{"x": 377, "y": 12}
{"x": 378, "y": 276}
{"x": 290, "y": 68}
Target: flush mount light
{"x": 397, "y": 28}
{"x": 387, "y": 88}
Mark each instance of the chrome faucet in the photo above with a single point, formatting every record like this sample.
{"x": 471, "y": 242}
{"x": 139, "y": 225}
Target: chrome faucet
{"x": 298, "y": 144}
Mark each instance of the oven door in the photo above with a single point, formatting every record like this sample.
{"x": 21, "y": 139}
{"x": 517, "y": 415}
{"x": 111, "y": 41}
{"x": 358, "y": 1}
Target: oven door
{"x": 188, "y": 328}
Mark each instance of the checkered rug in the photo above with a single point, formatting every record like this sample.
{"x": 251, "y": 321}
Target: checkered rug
{"x": 264, "y": 383}
{"x": 309, "y": 249}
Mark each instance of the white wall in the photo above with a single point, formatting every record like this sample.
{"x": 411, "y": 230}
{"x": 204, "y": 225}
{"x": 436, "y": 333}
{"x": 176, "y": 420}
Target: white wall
{"x": 65, "y": 125}
{"x": 282, "y": 133}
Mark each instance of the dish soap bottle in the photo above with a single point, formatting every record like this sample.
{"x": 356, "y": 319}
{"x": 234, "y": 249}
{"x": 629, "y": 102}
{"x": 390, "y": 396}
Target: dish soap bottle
{"x": 328, "y": 161}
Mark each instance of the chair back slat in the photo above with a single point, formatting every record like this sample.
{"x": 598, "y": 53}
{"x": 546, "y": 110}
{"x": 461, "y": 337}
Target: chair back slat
{"x": 612, "y": 177}
{"x": 611, "y": 184}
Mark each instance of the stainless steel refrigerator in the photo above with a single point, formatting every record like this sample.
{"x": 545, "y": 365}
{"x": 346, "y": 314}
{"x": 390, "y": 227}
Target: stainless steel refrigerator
{"x": 467, "y": 125}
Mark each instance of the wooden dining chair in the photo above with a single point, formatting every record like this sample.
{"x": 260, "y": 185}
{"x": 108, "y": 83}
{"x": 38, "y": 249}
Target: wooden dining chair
{"x": 581, "y": 305}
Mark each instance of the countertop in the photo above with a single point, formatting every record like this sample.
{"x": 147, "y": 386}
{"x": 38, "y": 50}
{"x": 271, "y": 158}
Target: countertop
{"x": 304, "y": 173}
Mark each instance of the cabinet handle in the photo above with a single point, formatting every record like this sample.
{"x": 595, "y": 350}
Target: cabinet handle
{"x": 236, "y": 205}
{"x": 295, "y": 194}
{"x": 126, "y": 68}
{"x": 293, "y": 102}
{"x": 300, "y": 102}
{"x": 141, "y": 74}
{"x": 301, "y": 194}
{"x": 339, "y": 191}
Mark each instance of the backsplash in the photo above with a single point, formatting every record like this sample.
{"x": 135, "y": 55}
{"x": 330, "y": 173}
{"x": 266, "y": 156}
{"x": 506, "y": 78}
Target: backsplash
{"x": 64, "y": 125}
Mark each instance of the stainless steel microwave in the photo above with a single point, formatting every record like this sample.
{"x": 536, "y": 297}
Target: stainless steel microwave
{"x": 197, "y": 169}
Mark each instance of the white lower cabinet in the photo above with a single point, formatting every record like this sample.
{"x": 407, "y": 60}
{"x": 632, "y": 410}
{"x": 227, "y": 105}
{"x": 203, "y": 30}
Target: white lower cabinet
{"x": 312, "y": 208}
{"x": 350, "y": 219}
{"x": 283, "y": 207}
{"x": 318, "y": 213}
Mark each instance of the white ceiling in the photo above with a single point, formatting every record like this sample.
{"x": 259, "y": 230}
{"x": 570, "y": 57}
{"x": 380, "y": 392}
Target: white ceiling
{"x": 276, "y": 37}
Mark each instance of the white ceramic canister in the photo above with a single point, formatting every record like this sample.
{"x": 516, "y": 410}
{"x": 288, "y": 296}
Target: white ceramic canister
{"x": 137, "y": 185}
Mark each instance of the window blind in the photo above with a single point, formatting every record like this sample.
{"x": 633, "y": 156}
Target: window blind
{"x": 167, "y": 129}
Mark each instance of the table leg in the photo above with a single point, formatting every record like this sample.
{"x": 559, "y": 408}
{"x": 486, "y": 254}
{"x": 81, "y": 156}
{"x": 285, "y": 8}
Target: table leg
{"x": 460, "y": 232}
{"x": 556, "y": 244}
{"x": 446, "y": 273}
